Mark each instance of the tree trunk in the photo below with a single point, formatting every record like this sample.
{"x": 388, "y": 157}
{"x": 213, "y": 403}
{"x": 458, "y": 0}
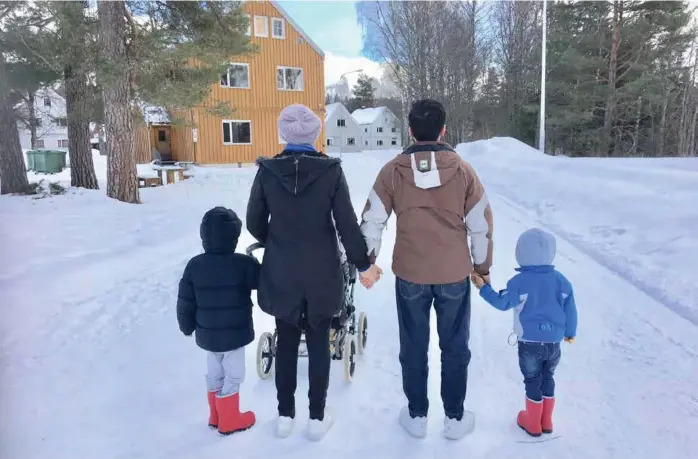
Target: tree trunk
{"x": 662, "y": 126}
{"x": 612, "y": 71}
{"x": 31, "y": 97}
{"x": 122, "y": 178}
{"x": 13, "y": 173}
{"x": 82, "y": 169}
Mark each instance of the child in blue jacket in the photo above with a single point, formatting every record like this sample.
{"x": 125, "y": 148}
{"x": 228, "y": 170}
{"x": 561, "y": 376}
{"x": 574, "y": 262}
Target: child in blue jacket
{"x": 544, "y": 315}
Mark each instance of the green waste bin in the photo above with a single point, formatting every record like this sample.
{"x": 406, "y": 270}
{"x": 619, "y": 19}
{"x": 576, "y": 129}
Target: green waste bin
{"x": 46, "y": 161}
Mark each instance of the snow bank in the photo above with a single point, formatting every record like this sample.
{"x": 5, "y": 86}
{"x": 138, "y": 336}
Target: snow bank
{"x": 638, "y": 216}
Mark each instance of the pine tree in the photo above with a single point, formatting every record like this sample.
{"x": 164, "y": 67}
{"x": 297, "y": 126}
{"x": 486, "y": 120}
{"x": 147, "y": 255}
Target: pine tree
{"x": 363, "y": 91}
{"x": 13, "y": 175}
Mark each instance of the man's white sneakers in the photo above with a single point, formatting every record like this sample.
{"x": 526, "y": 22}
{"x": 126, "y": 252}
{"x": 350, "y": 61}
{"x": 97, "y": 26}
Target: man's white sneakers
{"x": 284, "y": 426}
{"x": 417, "y": 427}
{"x": 318, "y": 429}
{"x": 455, "y": 430}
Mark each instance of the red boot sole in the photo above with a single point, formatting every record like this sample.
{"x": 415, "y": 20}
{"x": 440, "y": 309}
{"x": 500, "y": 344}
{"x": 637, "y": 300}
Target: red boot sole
{"x": 524, "y": 429}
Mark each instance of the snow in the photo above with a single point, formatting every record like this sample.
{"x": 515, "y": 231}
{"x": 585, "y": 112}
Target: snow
{"x": 367, "y": 115}
{"x": 154, "y": 115}
{"x": 93, "y": 364}
{"x": 330, "y": 109}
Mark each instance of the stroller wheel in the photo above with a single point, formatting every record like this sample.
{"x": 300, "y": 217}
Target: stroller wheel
{"x": 265, "y": 355}
{"x": 349, "y": 358}
{"x": 362, "y": 336}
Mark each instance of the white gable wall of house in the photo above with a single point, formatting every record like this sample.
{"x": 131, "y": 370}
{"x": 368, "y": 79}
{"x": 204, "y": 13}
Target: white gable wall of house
{"x": 342, "y": 132}
{"x": 52, "y": 119}
{"x": 380, "y": 129}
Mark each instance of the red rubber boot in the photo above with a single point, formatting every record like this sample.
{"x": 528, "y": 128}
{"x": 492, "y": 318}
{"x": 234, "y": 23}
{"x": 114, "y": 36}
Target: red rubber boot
{"x": 547, "y": 419}
{"x": 230, "y": 420}
{"x": 212, "y": 412}
{"x": 530, "y": 419}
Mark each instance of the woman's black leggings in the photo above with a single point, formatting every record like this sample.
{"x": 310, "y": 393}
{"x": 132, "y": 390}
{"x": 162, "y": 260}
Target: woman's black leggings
{"x": 317, "y": 340}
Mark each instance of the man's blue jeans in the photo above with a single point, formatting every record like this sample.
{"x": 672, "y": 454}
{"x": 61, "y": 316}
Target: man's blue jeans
{"x": 452, "y": 305}
{"x": 538, "y": 362}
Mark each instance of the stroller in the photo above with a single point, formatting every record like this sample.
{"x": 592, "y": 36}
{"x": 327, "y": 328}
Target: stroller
{"x": 348, "y": 335}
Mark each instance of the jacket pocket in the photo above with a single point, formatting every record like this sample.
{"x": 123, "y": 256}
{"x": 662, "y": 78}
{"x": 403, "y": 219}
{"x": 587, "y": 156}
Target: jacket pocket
{"x": 410, "y": 291}
{"x": 454, "y": 291}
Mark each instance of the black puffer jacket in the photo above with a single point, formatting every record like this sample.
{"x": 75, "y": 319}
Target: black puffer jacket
{"x": 307, "y": 197}
{"x": 214, "y": 292}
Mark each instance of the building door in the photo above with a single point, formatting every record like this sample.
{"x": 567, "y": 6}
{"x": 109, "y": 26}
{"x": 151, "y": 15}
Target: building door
{"x": 163, "y": 143}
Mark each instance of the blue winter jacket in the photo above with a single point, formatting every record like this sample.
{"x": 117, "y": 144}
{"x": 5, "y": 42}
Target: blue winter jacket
{"x": 542, "y": 298}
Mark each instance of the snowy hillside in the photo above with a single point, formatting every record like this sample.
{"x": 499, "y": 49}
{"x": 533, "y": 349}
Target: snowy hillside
{"x": 93, "y": 364}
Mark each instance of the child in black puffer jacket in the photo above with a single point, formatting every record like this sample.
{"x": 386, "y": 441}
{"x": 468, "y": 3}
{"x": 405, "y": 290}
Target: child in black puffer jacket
{"x": 214, "y": 300}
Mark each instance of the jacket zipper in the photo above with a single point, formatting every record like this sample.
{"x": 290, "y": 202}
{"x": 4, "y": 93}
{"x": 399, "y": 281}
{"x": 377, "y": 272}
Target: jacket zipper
{"x": 295, "y": 189}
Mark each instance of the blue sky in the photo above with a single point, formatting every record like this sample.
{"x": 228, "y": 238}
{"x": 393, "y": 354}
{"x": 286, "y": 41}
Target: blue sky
{"x": 332, "y": 25}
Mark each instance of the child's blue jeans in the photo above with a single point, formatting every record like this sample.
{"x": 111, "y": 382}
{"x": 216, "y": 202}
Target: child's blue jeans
{"x": 538, "y": 362}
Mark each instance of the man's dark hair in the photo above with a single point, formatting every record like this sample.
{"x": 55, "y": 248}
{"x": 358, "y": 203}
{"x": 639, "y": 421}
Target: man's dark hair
{"x": 427, "y": 117}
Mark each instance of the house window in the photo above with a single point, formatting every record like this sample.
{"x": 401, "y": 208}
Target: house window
{"x": 62, "y": 122}
{"x": 341, "y": 123}
{"x": 366, "y": 142}
{"x": 278, "y": 28}
{"x": 39, "y": 143}
{"x": 238, "y": 76}
{"x": 393, "y": 141}
{"x": 162, "y": 135}
{"x": 237, "y": 132}
{"x": 289, "y": 78}
{"x": 329, "y": 142}
{"x": 261, "y": 26}
{"x": 37, "y": 122}
{"x": 365, "y": 129}
{"x": 379, "y": 129}
{"x": 62, "y": 143}
{"x": 351, "y": 141}
{"x": 47, "y": 102}
{"x": 393, "y": 130}
{"x": 379, "y": 143}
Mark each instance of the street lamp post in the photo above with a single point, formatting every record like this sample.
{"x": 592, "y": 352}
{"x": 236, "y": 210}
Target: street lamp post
{"x": 541, "y": 135}
{"x": 345, "y": 124}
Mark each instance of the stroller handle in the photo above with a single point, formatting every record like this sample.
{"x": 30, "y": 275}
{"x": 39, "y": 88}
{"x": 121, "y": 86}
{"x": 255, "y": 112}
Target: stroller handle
{"x": 253, "y": 247}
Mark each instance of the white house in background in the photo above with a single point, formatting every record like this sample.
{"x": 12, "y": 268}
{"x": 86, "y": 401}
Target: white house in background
{"x": 380, "y": 128}
{"x": 342, "y": 132}
{"x": 52, "y": 122}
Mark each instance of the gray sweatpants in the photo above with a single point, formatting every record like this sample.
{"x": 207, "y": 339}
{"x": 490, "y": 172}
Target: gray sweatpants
{"x": 226, "y": 371}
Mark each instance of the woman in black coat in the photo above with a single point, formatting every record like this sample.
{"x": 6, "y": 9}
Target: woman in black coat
{"x": 298, "y": 203}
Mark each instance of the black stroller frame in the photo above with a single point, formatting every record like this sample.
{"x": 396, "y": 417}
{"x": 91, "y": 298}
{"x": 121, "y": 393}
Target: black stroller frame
{"x": 348, "y": 334}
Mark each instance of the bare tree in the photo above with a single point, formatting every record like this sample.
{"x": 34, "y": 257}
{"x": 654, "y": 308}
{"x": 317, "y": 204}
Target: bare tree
{"x": 115, "y": 72}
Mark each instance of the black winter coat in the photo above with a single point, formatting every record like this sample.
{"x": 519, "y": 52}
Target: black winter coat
{"x": 214, "y": 292}
{"x": 307, "y": 197}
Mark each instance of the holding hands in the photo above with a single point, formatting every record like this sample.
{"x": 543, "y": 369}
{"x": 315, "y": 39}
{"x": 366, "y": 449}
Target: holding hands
{"x": 480, "y": 279}
{"x": 369, "y": 277}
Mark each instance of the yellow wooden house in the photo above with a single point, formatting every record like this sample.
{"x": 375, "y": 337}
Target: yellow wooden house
{"x": 287, "y": 69}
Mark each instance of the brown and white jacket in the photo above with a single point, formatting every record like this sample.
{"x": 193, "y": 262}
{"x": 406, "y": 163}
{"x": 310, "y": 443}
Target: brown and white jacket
{"x": 439, "y": 201}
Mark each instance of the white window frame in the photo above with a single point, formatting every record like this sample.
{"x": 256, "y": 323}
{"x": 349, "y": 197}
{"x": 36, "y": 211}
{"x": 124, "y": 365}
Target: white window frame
{"x": 365, "y": 143}
{"x": 328, "y": 141}
{"x": 343, "y": 124}
{"x": 379, "y": 143}
{"x": 62, "y": 143}
{"x": 249, "y": 79}
{"x": 379, "y": 129}
{"x": 47, "y": 101}
{"x": 393, "y": 141}
{"x": 231, "y": 132}
{"x": 283, "y": 28}
{"x": 40, "y": 143}
{"x": 351, "y": 144}
{"x": 266, "y": 26}
{"x": 284, "y": 67}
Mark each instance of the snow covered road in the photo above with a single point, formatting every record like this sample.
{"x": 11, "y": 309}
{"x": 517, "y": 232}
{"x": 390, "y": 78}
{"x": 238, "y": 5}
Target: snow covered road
{"x": 93, "y": 365}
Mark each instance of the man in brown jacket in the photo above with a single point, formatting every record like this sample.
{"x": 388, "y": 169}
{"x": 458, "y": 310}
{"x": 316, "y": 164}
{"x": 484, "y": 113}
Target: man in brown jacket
{"x": 439, "y": 201}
